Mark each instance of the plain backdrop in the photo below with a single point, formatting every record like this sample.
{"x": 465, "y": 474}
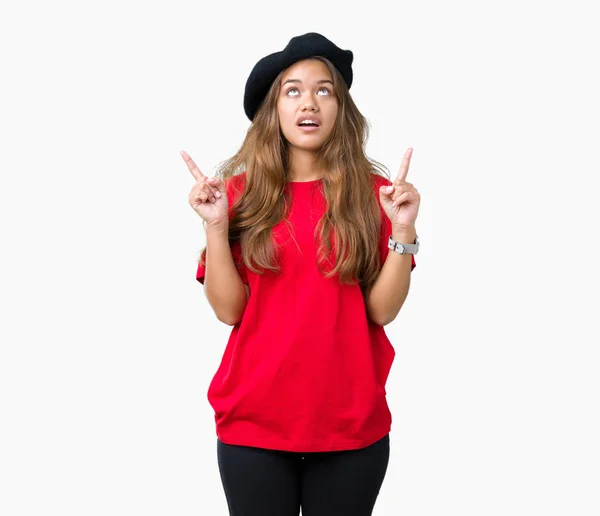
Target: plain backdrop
{"x": 108, "y": 344}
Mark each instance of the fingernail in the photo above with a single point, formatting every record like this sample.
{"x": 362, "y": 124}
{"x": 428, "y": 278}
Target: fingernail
{"x": 389, "y": 189}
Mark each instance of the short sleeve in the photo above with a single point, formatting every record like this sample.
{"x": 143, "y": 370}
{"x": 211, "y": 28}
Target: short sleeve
{"x": 200, "y": 271}
{"x": 386, "y": 229}
{"x": 234, "y": 187}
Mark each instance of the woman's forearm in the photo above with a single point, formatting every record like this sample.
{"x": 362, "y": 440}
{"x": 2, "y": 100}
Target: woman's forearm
{"x": 387, "y": 295}
{"x": 222, "y": 282}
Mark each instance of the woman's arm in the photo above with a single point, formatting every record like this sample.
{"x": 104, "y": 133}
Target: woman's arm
{"x": 387, "y": 295}
{"x": 223, "y": 286}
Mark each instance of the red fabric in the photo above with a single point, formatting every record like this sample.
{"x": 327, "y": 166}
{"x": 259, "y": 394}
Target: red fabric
{"x": 305, "y": 369}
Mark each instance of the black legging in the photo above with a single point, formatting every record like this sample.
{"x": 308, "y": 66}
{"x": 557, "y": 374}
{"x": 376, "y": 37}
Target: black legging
{"x": 261, "y": 482}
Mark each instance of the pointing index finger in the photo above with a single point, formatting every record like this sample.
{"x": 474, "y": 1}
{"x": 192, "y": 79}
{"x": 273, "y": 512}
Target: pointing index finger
{"x": 192, "y": 166}
{"x": 404, "y": 166}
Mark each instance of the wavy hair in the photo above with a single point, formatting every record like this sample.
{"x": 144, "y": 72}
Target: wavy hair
{"x": 352, "y": 218}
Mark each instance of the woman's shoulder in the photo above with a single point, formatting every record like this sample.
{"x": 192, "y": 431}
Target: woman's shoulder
{"x": 380, "y": 180}
{"x": 234, "y": 185}
{"x": 237, "y": 180}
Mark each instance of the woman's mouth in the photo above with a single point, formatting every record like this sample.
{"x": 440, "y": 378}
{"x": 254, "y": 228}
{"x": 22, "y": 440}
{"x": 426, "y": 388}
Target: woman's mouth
{"x": 308, "y": 128}
{"x": 308, "y": 123}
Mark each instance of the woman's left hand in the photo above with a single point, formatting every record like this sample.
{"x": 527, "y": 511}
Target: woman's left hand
{"x": 401, "y": 201}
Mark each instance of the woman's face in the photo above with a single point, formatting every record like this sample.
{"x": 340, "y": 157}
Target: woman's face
{"x": 307, "y": 92}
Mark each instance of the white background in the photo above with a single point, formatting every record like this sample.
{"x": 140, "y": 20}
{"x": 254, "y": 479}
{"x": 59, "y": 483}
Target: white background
{"x": 108, "y": 344}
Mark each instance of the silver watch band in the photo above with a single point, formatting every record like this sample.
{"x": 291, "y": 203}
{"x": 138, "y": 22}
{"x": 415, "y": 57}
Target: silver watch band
{"x": 404, "y": 248}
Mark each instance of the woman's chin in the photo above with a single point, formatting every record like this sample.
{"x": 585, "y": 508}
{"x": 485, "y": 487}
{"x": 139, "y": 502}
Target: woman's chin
{"x": 307, "y": 148}
{"x": 307, "y": 144}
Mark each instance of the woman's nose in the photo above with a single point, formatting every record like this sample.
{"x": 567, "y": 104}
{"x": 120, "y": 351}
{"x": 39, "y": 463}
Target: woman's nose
{"x": 309, "y": 106}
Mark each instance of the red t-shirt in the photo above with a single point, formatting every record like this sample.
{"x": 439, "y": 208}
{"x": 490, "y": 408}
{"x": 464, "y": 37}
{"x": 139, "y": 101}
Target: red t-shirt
{"x": 305, "y": 369}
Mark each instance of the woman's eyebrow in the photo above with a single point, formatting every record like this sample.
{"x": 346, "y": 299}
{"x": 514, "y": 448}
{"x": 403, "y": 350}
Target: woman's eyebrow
{"x": 322, "y": 81}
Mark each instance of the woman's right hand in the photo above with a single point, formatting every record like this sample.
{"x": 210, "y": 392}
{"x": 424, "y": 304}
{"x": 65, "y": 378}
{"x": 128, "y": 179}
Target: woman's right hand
{"x": 208, "y": 197}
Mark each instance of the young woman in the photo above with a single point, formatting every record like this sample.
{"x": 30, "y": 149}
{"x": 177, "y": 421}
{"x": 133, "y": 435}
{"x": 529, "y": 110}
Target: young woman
{"x": 299, "y": 227}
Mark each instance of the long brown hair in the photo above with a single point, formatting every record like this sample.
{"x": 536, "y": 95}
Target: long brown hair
{"x": 353, "y": 213}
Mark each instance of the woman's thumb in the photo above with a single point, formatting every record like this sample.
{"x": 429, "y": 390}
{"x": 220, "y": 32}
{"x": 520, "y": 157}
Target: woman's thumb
{"x": 215, "y": 182}
{"x": 384, "y": 193}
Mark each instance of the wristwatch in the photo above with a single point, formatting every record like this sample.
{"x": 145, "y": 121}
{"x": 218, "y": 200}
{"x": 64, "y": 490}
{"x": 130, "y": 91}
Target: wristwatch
{"x": 404, "y": 248}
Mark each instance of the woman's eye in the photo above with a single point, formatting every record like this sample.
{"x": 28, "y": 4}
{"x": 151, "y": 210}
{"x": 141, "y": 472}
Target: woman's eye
{"x": 296, "y": 89}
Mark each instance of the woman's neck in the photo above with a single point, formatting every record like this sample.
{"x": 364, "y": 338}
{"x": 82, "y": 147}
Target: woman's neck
{"x": 303, "y": 166}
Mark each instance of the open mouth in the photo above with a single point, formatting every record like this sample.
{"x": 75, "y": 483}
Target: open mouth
{"x": 308, "y": 126}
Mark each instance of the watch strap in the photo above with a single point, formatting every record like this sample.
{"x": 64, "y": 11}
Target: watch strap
{"x": 404, "y": 248}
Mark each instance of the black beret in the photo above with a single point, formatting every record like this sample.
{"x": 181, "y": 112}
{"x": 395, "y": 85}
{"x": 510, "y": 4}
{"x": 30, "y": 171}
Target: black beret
{"x": 300, "y": 47}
